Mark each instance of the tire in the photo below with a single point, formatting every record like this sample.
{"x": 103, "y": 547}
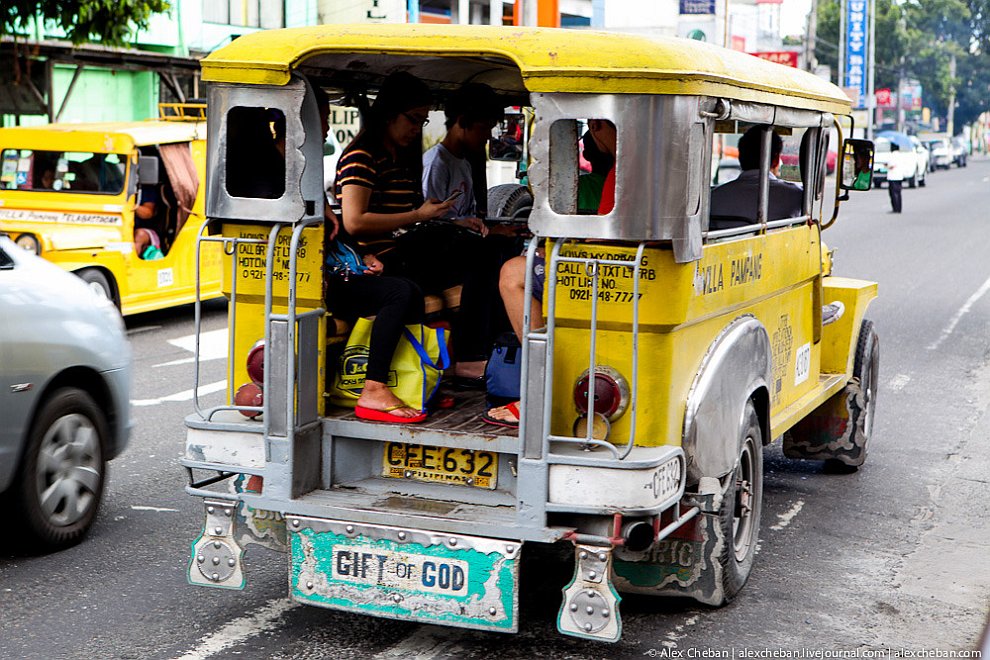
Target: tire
{"x": 99, "y": 284}
{"x": 63, "y": 472}
{"x": 913, "y": 181}
{"x": 923, "y": 181}
{"x": 509, "y": 200}
{"x": 742, "y": 502}
{"x": 862, "y": 407}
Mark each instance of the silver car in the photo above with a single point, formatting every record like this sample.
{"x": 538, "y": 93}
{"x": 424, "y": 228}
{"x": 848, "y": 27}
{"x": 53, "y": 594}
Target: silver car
{"x": 65, "y": 379}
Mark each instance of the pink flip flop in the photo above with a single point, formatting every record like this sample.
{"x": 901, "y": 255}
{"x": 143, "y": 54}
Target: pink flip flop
{"x": 372, "y": 415}
{"x": 512, "y": 408}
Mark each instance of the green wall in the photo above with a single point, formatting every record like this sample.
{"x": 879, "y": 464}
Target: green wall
{"x": 104, "y": 95}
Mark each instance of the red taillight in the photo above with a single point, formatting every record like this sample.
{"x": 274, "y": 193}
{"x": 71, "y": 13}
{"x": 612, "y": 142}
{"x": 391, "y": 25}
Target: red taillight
{"x": 249, "y": 394}
{"x": 609, "y": 397}
{"x": 256, "y": 363}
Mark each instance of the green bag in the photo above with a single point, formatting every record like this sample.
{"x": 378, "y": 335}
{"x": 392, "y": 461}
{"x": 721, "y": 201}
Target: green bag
{"x": 414, "y": 375}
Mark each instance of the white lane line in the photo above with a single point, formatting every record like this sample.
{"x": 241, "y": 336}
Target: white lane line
{"x": 788, "y": 516}
{"x": 185, "y": 395}
{"x": 959, "y": 314}
{"x": 212, "y": 346}
{"x": 898, "y": 382}
{"x": 240, "y": 629}
{"x": 426, "y": 643}
{"x": 157, "y": 509}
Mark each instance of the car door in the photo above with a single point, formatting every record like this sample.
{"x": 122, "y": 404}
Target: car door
{"x": 8, "y": 438}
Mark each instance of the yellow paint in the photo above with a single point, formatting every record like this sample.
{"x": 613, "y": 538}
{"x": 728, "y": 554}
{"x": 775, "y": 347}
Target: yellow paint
{"x": 549, "y": 60}
{"x": 85, "y": 230}
{"x": 684, "y": 307}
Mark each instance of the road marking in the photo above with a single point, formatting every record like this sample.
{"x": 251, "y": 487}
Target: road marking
{"x": 240, "y": 629}
{"x": 212, "y": 346}
{"x": 959, "y": 314}
{"x": 143, "y": 328}
{"x": 425, "y": 643}
{"x": 788, "y": 516}
{"x": 185, "y": 395}
{"x": 898, "y": 382}
{"x": 157, "y": 509}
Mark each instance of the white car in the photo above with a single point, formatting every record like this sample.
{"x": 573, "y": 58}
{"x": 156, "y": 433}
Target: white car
{"x": 940, "y": 152}
{"x": 917, "y": 155}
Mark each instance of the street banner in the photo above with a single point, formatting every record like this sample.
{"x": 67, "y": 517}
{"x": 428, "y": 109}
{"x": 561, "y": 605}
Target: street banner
{"x": 856, "y": 51}
{"x": 785, "y": 57}
{"x": 884, "y": 98}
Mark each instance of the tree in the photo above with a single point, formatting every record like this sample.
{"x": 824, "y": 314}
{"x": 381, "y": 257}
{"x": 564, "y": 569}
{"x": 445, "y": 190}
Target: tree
{"x": 109, "y": 22}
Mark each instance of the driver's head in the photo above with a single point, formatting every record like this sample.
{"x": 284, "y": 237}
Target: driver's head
{"x": 749, "y": 148}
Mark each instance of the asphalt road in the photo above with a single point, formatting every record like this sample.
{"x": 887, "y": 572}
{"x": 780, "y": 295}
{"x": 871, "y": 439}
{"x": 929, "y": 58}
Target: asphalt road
{"x": 896, "y": 556}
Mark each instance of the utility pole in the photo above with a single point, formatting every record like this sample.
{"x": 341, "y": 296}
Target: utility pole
{"x": 811, "y": 38}
{"x": 951, "y": 113}
{"x": 871, "y": 69}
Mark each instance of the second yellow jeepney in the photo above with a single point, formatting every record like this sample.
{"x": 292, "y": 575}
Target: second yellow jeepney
{"x": 676, "y": 346}
{"x": 69, "y": 191}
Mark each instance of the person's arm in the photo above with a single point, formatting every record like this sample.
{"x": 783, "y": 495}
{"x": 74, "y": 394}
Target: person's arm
{"x": 359, "y": 221}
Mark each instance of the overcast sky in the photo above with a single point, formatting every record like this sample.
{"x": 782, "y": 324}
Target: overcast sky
{"x": 793, "y": 15}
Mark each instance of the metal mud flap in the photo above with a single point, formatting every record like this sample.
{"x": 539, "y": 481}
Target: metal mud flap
{"x": 216, "y": 556}
{"x": 408, "y": 574}
{"x": 590, "y": 608}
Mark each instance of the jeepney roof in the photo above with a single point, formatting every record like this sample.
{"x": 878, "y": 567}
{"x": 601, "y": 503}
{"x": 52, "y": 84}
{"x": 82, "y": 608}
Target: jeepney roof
{"x": 548, "y": 60}
{"x": 137, "y": 133}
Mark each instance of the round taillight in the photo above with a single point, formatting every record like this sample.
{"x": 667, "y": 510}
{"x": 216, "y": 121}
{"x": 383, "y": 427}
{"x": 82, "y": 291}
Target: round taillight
{"x": 609, "y": 397}
{"x": 249, "y": 394}
{"x": 29, "y": 242}
{"x": 256, "y": 363}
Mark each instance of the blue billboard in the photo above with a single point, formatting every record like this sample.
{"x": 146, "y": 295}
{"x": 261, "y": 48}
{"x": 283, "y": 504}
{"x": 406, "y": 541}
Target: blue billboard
{"x": 856, "y": 51}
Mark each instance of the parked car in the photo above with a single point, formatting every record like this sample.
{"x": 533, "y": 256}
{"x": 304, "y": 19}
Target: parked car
{"x": 960, "y": 151}
{"x": 940, "y": 153}
{"x": 65, "y": 378}
{"x": 908, "y": 144}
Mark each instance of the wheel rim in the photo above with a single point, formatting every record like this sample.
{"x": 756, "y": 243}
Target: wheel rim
{"x": 742, "y": 512}
{"x": 98, "y": 289}
{"x": 68, "y": 469}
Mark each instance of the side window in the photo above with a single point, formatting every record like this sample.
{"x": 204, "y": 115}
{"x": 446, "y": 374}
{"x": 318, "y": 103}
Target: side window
{"x": 581, "y": 157}
{"x": 255, "y": 157}
{"x": 58, "y": 171}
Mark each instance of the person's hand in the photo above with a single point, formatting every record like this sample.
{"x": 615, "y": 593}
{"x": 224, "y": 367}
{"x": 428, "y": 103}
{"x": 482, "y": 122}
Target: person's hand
{"x": 432, "y": 208}
{"x": 331, "y": 222}
{"x": 476, "y": 225}
{"x": 375, "y": 267}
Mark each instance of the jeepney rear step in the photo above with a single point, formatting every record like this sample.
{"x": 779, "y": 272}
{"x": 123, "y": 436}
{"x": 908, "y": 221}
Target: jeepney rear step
{"x": 374, "y": 505}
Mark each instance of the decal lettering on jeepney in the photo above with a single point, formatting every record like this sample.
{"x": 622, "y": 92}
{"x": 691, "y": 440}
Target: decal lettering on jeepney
{"x": 615, "y": 283}
{"x": 738, "y": 270}
{"x": 251, "y": 257}
{"x": 781, "y": 347}
{"x": 16, "y": 215}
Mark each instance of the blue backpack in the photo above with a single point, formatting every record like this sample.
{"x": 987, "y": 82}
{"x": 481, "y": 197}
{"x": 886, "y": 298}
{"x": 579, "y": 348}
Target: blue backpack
{"x": 503, "y": 374}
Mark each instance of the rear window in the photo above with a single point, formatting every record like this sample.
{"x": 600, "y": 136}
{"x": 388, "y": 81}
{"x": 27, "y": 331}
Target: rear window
{"x": 62, "y": 171}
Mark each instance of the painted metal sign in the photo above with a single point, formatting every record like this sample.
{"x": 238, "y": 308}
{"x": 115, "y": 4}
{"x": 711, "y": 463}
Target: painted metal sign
{"x": 697, "y": 6}
{"x": 856, "y": 51}
{"x": 458, "y": 580}
{"x": 785, "y": 57}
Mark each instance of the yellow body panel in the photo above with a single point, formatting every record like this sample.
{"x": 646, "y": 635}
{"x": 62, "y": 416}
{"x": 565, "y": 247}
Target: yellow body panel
{"x": 549, "y": 60}
{"x": 87, "y": 230}
{"x": 684, "y": 307}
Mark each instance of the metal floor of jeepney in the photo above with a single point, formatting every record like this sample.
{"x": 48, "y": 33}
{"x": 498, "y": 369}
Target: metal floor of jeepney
{"x": 464, "y": 417}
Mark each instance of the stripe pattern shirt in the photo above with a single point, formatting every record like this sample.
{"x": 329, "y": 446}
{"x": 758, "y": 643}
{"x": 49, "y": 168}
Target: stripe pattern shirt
{"x": 395, "y": 188}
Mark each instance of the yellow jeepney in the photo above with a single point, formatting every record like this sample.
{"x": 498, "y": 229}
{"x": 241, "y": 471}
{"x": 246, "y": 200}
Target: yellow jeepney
{"x": 69, "y": 192}
{"x": 677, "y": 344}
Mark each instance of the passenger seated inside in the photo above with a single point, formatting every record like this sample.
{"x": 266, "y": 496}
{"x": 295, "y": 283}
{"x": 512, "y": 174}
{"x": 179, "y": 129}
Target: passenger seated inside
{"x": 740, "y": 198}
{"x": 147, "y": 240}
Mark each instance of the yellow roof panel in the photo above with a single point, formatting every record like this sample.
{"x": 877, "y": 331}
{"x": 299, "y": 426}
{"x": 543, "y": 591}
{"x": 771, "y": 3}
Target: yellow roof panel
{"x": 549, "y": 60}
{"x": 140, "y": 133}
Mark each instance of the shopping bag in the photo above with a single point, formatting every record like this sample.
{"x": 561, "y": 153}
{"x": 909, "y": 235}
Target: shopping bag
{"x": 415, "y": 371}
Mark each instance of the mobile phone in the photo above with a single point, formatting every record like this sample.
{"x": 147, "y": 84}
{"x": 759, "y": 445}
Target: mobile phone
{"x": 454, "y": 195}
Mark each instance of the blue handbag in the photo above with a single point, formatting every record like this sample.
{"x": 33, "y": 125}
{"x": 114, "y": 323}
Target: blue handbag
{"x": 503, "y": 373}
{"x": 344, "y": 260}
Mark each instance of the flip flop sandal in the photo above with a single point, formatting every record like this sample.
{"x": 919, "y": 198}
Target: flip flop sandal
{"x": 512, "y": 408}
{"x": 372, "y": 415}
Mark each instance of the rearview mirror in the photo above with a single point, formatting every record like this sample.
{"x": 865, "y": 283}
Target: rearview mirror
{"x": 148, "y": 170}
{"x": 857, "y": 165}
{"x": 509, "y": 139}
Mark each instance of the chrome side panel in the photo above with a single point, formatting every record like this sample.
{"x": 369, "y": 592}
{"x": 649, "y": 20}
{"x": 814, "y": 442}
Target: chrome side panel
{"x": 304, "y": 196}
{"x": 735, "y": 366}
{"x": 663, "y": 153}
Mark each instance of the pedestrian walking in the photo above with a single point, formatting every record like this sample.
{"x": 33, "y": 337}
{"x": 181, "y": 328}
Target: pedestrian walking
{"x": 895, "y": 177}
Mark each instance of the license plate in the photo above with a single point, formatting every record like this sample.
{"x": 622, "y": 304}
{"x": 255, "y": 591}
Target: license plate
{"x": 456, "y": 580}
{"x": 448, "y": 465}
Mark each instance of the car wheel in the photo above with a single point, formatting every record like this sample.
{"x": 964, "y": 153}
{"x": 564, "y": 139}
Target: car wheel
{"x": 912, "y": 181}
{"x": 862, "y": 406}
{"x": 509, "y": 200}
{"x": 923, "y": 178}
{"x": 58, "y": 490}
{"x": 98, "y": 284}
{"x": 741, "y": 505}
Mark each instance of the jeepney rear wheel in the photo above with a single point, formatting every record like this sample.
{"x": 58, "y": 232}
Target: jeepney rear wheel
{"x": 509, "y": 200}
{"x": 862, "y": 406}
{"x": 742, "y": 504}
{"x": 99, "y": 284}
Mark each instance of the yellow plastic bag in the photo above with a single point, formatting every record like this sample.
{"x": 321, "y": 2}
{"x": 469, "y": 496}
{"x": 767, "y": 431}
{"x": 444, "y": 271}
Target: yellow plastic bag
{"x": 414, "y": 375}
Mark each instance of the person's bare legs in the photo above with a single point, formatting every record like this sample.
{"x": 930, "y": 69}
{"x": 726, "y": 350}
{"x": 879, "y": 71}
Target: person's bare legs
{"x": 142, "y": 239}
{"x": 377, "y": 396}
{"x": 512, "y": 286}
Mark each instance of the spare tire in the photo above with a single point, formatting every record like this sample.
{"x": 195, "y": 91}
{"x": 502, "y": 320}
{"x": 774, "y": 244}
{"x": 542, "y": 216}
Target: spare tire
{"x": 509, "y": 200}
